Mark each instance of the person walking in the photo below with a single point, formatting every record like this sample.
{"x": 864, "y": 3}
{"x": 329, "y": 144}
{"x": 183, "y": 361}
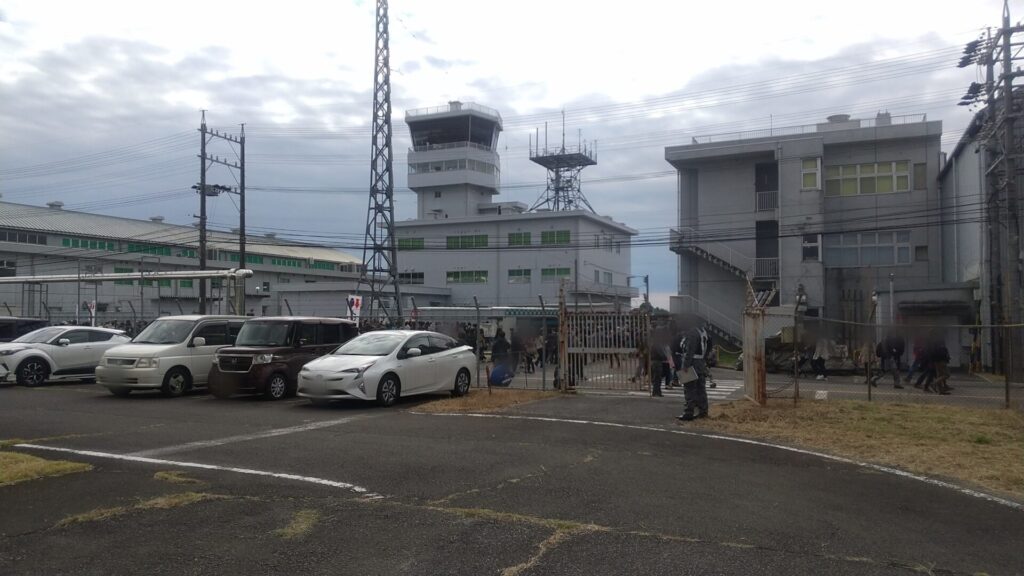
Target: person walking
{"x": 695, "y": 391}
{"x": 499, "y": 348}
{"x": 661, "y": 358}
{"x": 822, "y": 353}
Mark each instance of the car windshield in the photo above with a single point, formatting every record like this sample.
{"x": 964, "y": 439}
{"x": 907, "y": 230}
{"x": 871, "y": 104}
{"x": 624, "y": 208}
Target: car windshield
{"x": 165, "y": 332}
{"x": 41, "y": 335}
{"x": 371, "y": 345}
{"x": 264, "y": 334}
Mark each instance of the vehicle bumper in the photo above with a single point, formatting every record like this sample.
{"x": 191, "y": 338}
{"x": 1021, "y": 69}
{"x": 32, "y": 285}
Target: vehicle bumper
{"x": 252, "y": 382}
{"x": 331, "y": 387}
{"x": 6, "y": 373}
{"x": 129, "y": 377}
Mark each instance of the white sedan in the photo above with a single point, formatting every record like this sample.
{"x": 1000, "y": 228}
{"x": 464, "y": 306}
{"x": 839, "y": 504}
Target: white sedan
{"x": 388, "y": 364}
{"x": 55, "y": 353}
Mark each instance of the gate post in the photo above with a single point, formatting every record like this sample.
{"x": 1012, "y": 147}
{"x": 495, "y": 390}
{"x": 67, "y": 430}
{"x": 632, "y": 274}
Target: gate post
{"x": 563, "y": 352}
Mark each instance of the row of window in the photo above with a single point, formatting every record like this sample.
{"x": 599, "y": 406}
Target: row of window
{"x": 547, "y": 238}
{"x": 150, "y": 249}
{"x": 515, "y": 276}
{"x": 88, "y": 243}
{"x": 450, "y": 165}
{"x": 22, "y": 237}
{"x": 249, "y": 258}
{"x": 286, "y": 262}
{"x": 864, "y": 178}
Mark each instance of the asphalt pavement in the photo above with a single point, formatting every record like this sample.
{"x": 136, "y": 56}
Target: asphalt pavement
{"x": 549, "y": 488}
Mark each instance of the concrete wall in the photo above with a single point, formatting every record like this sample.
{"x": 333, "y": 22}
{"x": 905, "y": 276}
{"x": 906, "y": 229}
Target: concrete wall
{"x": 962, "y": 198}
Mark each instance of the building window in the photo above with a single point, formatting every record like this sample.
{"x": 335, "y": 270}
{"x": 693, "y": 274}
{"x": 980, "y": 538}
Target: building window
{"x": 920, "y": 176}
{"x": 324, "y": 265}
{"x": 856, "y": 249}
{"x": 186, "y": 253}
{"x": 185, "y": 283}
{"x": 22, "y": 237}
{"x": 466, "y": 242}
{"x": 811, "y": 247}
{"x": 410, "y": 244}
{"x": 597, "y": 276}
{"x": 549, "y": 237}
{"x": 608, "y": 278}
{"x": 145, "y": 249}
{"x": 921, "y": 253}
{"x": 286, "y": 262}
{"x": 164, "y": 282}
{"x": 118, "y": 270}
{"x": 519, "y": 276}
{"x": 810, "y": 174}
{"x": 437, "y": 194}
{"x": 89, "y": 243}
{"x": 553, "y": 274}
{"x": 519, "y": 239}
{"x": 466, "y": 277}
{"x": 877, "y": 178}
{"x": 8, "y": 268}
{"x": 410, "y": 277}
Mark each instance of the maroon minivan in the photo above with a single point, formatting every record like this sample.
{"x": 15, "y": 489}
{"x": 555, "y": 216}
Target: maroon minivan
{"x": 269, "y": 352}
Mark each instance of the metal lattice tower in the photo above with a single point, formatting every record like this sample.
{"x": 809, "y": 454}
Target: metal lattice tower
{"x": 564, "y": 165}
{"x": 380, "y": 269}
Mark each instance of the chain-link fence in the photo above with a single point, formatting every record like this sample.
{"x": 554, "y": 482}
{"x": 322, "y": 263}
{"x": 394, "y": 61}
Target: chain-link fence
{"x": 818, "y": 358}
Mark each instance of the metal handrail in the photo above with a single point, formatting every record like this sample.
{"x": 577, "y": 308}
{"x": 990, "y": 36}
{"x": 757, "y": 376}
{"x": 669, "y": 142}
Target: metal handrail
{"x": 449, "y": 146}
{"x": 716, "y": 317}
{"x": 766, "y": 268}
{"x": 719, "y": 250}
{"x": 804, "y": 129}
{"x": 453, "y": 107}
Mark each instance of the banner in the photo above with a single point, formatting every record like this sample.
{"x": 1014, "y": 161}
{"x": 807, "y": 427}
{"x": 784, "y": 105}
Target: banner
{"x": 355, "y": 304}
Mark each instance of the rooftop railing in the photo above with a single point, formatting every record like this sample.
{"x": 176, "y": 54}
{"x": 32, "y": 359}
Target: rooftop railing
{"x": 449, "y": 146}
{"x": 807, "y": 129}
{"x": 452, "y": 107}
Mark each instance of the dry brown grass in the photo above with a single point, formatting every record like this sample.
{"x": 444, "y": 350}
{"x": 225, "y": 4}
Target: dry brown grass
{"x": 981, "y": 446}
{"x": 15, "y": 467}
{"x": 159, "y": 503}
{"x": 177, "y": 477}
{"x": 485, "y": 401}
{"x": 302, "y": 523}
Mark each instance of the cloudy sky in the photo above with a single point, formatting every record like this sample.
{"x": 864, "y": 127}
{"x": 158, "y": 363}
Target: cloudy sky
{"x": 100, "y": 100}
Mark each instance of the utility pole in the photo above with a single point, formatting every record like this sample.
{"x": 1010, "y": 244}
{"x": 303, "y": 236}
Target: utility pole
{"x": 205, "y": 160}
{"x": 202, "y": 212}
{"x": 1003, "y": 195}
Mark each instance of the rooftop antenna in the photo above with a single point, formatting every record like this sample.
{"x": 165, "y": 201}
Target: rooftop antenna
{"x": 564, "y": 167}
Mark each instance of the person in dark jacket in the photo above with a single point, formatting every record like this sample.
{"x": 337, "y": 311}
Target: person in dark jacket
{"x": 938, "y": 374}
{"x": 889, "y": 351}
{"x": 661, "y": 359}
{"x": 499, "y": 348}
{"x": 695, "y": 393}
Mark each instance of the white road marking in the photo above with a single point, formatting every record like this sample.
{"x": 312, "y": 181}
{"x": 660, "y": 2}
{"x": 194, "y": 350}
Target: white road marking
{"x": 129, "y": 458}
{"x": 885, "y": 469}
{"x": 246, "y": 437}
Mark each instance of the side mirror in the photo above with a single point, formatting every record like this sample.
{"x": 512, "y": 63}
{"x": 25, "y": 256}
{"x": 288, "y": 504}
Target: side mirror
{"x": 413, "y": 352}
{"x": 63, "y": 342}
{"x": 199, "y": 341}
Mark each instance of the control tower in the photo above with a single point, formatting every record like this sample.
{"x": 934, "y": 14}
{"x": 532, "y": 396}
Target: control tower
{"x": 453, "y": 162}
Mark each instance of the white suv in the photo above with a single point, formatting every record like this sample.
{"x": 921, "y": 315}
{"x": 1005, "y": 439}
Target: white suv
{"x": 56, "y": 353}
{"x": 173, "y": 354}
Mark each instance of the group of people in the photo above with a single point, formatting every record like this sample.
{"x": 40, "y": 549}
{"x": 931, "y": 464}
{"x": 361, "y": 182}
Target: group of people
{"x": 681, "y": 357}
{"x": 930, "y": 360}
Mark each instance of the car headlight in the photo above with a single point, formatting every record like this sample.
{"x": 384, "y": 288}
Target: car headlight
{"x": 358, "y": 371}
{"x": 263, "y": 359}
{"x": 12, "y": 351}
{"x": 147, "y": 362}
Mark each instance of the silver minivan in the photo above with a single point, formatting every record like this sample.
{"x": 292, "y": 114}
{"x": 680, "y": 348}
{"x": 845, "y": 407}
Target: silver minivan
{"x": 173, "y": 354}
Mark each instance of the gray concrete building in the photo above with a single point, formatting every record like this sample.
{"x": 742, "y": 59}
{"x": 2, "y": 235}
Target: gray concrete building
{"x": 467, "y": 242}
{"x": 843, "y": 208}
{"x": 36, "y": 241}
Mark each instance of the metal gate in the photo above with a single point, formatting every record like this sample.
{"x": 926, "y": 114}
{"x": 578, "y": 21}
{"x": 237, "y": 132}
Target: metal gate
{"x": 604, "y": 350}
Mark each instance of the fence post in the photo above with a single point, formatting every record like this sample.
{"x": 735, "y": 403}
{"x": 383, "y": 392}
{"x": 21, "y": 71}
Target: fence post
{"x": 479, "y": 345}
{"x": 1007, "y": 347}
{"x": 544, "y": 346}
{"x": 563, "y": 352}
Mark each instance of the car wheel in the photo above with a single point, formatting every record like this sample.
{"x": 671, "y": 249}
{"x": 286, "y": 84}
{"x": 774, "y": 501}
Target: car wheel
{"x": 388, "y": 390}
{"x": 176, "y": 381}
{"x": 461, "y": 383}
{"x": 33, "y": 372}
{"x": 277, "y": 387}
{"x": 121, "y": 392}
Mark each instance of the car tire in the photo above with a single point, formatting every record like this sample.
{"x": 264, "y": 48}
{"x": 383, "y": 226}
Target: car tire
{"x": 120, "y": 392}
{"x": 33, "y": 372}
{"x": 176, "y": 381}
{"x": 277, "y": 387}
{"x": 389, "y": 390}
{"x": 461, "y": 383}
